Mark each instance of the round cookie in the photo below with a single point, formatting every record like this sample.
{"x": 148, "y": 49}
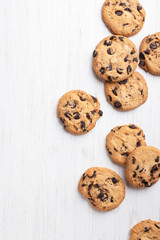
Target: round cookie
{"x": 127, "y": 94}
{"x": 146, "y": 230}
{"x": 115, "y": 58}
{"x": 150, "y": 54}
{"x": 143, "y": 167}
{"x": 78, "y": 111}
{"x": 102, "y": 187}
{"x": 121, "y": 141}
{"x": 123, "y": 17}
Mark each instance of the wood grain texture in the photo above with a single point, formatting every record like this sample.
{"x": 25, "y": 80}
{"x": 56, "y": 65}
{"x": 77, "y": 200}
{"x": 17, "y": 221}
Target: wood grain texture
{"x": 45, "y": 50}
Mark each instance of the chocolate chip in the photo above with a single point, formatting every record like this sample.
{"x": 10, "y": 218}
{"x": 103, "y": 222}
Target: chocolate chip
{"x": 82, "y": 99}
{"x": 114, "y": 180}
{"x": 66, "y": 104}
{"x": 102, "y": 70}
{"x": 146, "y": 229}
{"x": 135, "y": 60}
{"x": 96, "y": 185}
{"x": 129, "y": 69}
{"x": 133, "y": 160}
{"x": 110, "y": 98}
{"x": 157, "y": 226}
{"x": 118, "y": 13}
{"x": 115, "y": 91}
{"x": 100, "y": 113}
{"x": 83, "y": 185}
{"x": 84, "y": 176}
{"x": 83, "y": 124}
{"x": 141, "y": 55}
{"x": 147, "y": 51}
{"x": 120, "y": 70}
{"x": 125, "y": 154}
{"x": 142, "y": 92}
{"x": 107, "y": 43}
{"x": 88, "y": 116}
{"x": 128, "y": 9}
{"x": 93, "y": 112}
{"x": 109, "y": 152}
{"x": 115, "y": 149}
{"x": 76, "y": 115}
{"x": 94, "y": 98}
{"x": 134, "y": 174}
{"x": 68, "y": 115}
{"x": 139, "y": 133}
{"x": 142, "y": 63}
{"x": 109, "y": 51}
{"x": 126, "y": 58}
{"x": 132, "y": 52}
{"x": 95, "y": 53}
{"x": 153, "y": 45}
{"x": 122, "y": 4}
{"x": 132, "y": 126}
{"x": 110, "y": 79}
{"x": 139, "y": 8}
{"x": 154, "y": 169}
{"x": 123, "y": 82}
{"x": 137, "y": 167}
{"x": 141, "y": 170}
{"x": 90, "y": 186}
{"x": 113, "y": 37}
{"x": 62, "y": 120}
{"x": 138, "y": 144}
{"x": 117, "y": 105}
{"x": 146, "y": 185}
{"x": 125, "y": 24}
{"x": 157, "y": 159}
{"x": 112, "y": 199}
{"x": 103, "y": 197}
{"x": 109, "y": 67}
{"x": 93, "y": 175}
{"x": 121, "y": 38}
{"x": 133, "y": 30}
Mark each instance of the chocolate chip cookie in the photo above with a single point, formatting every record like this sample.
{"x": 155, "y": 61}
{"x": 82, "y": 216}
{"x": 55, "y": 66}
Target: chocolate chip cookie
{"x": 150, "y": 54}
{"x": 115, "y": 58}
{"x": 143, "y": 167}
{"x": 78, "y": 111}
{"x": 127, "y": 94}
{"x": 122, "y": 140}
{"x": 147, "y": 229}
{"x": 103, "y": 188}
{"x": 123, "y": 17}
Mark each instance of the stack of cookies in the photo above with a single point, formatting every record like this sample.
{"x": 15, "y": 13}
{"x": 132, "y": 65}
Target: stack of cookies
{"x": 115, "y": 60}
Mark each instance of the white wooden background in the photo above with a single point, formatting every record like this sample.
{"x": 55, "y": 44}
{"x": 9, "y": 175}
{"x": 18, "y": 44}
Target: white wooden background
{"x": 46, "y": 50}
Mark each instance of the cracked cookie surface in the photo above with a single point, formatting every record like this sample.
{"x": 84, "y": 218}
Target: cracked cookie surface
{"x": 127, "y": 94}
{"x": 78, "y": 111}
{"x": 147, "y": 230}
{"x": 143, "y": 167}
{"x": 150, "y": 54}
{"x": 115, "y": 58}
{"x": 123, "y": 17}
{"x": 103, "y": 188}
{"x": 122, "y": 140}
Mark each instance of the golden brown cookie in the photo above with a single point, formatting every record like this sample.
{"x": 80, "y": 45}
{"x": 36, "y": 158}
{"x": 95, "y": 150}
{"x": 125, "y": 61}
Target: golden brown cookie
{"x": 103, "y": 188}
{"x": 78, "y": 111}
{"x": 150, "y": 54}
{"x": 122, "y": 140}
{"x": 146, "y": 230}
{"x": 115, "y": 58}
{"x": 143, "y": 167}
{"x": 123, "y": 17}
{"x": 127, "y": 94}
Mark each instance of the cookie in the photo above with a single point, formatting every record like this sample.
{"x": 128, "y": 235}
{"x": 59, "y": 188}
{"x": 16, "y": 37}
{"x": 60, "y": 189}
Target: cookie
{"x": 78, "y": 111}
{"x": 123, "y": 17}
{"x": 143, "y": 167}
{"x": 127, "y": 94}
{"x": 103, "y": 188}
{"x": 121, "y": 141}
{"x": 150, "y": 54}
{"x": 146, "y": 230}
{"x": 115, "y": 58}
